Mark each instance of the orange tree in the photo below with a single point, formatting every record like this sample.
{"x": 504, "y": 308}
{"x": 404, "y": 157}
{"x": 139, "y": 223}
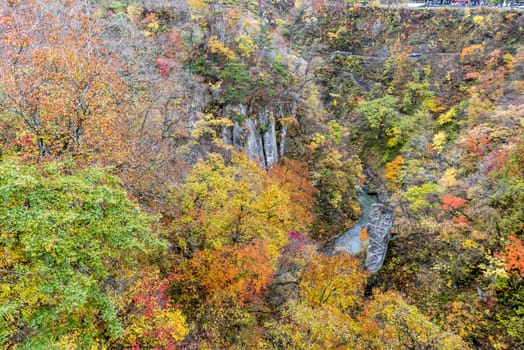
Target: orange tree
{"x": 230, "y": 221}
{"x": 60, "y": 88}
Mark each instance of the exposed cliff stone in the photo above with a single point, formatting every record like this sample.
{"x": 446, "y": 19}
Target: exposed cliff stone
{"x": 379, "y": 226}
{"x": 256, "y": 137}
{"x": 236, "y": 134}
{"x": 283, "y": 134}
{"x": 253, "y": 144}
{"x": 283, "y": 126}
{"x": 227, "y": 135}
{"x": 269, "y": 138}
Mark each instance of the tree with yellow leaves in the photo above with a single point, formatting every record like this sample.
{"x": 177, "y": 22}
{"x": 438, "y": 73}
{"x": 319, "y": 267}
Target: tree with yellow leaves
{"x": 393, "y": 173}
{"x": 222, "y": 204}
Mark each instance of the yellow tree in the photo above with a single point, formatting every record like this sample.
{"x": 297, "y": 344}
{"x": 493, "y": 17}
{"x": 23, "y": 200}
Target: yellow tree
{"x": 330, "y": 291}
{"x": 222, "y": 204}
{"x": 335, "y": 281}
{"x": 332, "y": 313}
{"x": 393, "y": 173}
{"x": 388, "y": 319}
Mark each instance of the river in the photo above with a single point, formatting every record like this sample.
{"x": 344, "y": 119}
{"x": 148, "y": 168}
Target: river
{"x": 349, "y": 242}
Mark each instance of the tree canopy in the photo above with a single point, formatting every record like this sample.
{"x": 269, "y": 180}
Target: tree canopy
{"x": 71, "y": 242}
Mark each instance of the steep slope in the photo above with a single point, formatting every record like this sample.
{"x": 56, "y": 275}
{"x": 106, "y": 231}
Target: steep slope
{"x": 429, "y": 99}
{"x": 433, "y": 99}
{"x": 247, "y": 129}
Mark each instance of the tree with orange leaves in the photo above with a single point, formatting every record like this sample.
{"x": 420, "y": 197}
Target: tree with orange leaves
{"x": 60, "y": 87}
{"x": 220, "y": 288}
{"x": 292, "y": 176}
{"x": 513, "y": 257}
{"x": 238, "y": 274}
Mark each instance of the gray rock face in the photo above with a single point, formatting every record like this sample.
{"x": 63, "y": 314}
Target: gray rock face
{"x": 257, "y": 137}
{"x": 379, "y": 227}
{"x": 234, "y": 137}
{"x": 236, "y": 140}
{"x": 283, "y": 134}
{"x": 227, "y": 136}
{"x": 253, "y": 145}
{"x": 269, "y": 137}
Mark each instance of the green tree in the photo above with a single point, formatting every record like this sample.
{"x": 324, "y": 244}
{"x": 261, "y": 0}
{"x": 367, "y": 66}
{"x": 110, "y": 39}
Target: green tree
{"x": 423, "y": 197}
{"x": 381, "y": 114}
{"x": 70, "y": 242}
{"x": 335, "y": 173}
{"x": 237, "y": 80}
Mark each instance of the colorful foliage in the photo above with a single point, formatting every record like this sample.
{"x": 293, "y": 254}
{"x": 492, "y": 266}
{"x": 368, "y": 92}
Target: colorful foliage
{"x": 450, "y": 202}
{"x": 388, "y": 319}
{"x": 148, "y": 89}
{"x": 70, "y": 240}
{"x": 335, "y": 281}
{"x": 393, "y": 172}
{"x": 513, "y": 257}
{"x": 237, "y": 274}
{"x": 155, "y": 321}
{"x": 292, "y": 177}
{"x": 60, "y": 85}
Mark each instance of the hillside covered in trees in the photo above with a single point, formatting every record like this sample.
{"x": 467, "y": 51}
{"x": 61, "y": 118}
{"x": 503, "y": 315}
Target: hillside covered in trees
{"x": 174, "y": 174}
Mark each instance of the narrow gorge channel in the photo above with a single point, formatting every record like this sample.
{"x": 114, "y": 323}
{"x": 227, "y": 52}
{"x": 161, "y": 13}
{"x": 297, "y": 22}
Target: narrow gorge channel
{"x": 350, "y": 242}
{"x": 371, "y": 232}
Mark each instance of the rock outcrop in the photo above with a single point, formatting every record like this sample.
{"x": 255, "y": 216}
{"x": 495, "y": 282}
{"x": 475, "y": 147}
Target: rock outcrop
{"x": 253, "y": 145}
{"x": 379, "y": 227}
{"x": 257, "y": 137}
{"x": 269, "y": 138}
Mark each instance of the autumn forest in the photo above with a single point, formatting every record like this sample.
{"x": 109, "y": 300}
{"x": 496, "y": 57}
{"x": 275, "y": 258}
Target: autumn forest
{"x": 185, "y": 174}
